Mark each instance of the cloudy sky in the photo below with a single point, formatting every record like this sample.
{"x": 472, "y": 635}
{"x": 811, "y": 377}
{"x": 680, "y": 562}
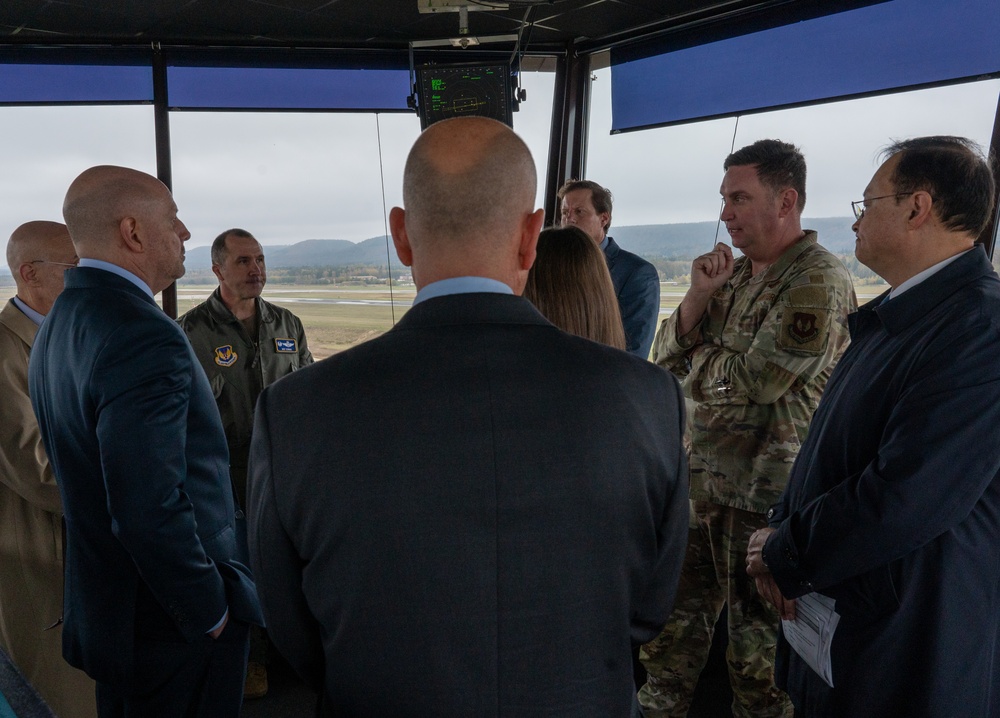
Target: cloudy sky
{"x": 290, "y": 177}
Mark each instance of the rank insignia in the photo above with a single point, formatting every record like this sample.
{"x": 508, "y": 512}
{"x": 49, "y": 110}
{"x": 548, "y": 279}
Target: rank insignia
{"x": 285, "y": 346}
{"x": 225, "y": 356}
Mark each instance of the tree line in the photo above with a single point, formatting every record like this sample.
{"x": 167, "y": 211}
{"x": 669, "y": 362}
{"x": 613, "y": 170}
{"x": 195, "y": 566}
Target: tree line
{"x": 670, "y": 270}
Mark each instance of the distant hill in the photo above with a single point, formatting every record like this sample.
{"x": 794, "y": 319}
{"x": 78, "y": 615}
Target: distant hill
{"x": 683, "y": 241}
{"x": 308, "y": 253}
{"x": 688, "y": 240}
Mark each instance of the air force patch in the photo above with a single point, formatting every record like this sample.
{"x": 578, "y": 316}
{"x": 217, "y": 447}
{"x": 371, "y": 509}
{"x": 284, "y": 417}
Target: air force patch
{"x": 803, "y": 327}
{"x": 285, "y": 346}
{"x": 225, "y": 356}
{"x": 805, "y": 320}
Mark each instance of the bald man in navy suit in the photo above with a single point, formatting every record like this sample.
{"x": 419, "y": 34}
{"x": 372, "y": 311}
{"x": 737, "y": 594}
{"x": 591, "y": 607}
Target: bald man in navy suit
{"x": 157, "y": 608}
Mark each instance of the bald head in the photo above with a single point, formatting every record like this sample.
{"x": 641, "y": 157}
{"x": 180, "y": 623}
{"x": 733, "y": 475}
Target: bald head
{"x": 468, "y": 188}
{"x": 38, "y": 253}
{"x": 101, "y": 197}
{"x": 128, "y": 218}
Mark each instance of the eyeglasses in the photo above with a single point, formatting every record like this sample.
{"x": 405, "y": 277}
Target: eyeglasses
{"x": 61, "y": 264}
{"x": 859, "y": 206}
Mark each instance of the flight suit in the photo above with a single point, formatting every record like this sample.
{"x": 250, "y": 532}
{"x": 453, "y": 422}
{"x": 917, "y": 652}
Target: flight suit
{"x": 238, "y": 367}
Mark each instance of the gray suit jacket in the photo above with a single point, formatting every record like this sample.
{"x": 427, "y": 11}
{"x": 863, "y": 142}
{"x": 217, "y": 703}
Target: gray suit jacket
{"x": 474, "y": 514}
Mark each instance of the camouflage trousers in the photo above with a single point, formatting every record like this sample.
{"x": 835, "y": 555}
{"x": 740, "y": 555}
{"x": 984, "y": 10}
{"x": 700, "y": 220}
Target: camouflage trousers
{"x": 714, "y": 575}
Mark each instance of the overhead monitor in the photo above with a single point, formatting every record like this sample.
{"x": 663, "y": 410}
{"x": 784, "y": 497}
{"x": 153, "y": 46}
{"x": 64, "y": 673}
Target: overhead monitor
{"x": 464, "y": 90}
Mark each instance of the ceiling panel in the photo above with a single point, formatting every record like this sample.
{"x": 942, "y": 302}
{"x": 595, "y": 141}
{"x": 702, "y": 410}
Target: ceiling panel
{"x": 385, "y": 24}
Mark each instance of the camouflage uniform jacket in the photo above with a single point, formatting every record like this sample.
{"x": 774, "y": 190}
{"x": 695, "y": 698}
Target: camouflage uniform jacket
{"x": 754, "y": 370}
{"x": 239, "y": 368}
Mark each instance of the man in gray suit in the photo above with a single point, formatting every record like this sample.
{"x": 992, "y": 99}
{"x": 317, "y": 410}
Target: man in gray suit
{"x": 448, "y": 524}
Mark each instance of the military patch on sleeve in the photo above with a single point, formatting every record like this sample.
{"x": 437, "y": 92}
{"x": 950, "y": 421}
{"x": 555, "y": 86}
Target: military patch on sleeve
{"x": 225, "y": 356}
{"x": 286, "y": 346}
{"x": 804, "y": 325}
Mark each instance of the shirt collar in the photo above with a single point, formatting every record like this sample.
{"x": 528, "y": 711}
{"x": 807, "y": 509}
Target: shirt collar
{"x": 115, "y": 269}
{"x": 921, "y": 276}
{"x": 30, "y": 313}
{"x": 895, "y": 316}
{"x": 461, "y": 285}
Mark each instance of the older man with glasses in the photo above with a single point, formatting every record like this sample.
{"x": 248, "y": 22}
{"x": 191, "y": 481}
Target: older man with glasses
{"x": 887, "y": 536}
{"x": 31, "y": 546}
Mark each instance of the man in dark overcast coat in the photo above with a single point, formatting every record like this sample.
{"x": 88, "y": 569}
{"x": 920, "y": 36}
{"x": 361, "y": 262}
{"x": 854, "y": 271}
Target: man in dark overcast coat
{"x": 892, "y": 509}
{"x": 476, "y": 513}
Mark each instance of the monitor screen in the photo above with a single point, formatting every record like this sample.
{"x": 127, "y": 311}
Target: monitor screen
{"x": 464, "y": 90}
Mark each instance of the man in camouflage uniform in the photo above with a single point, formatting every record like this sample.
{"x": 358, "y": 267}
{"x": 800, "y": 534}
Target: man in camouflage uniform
{"x": 244, "y": 344}
{"x": 753, "y": 342}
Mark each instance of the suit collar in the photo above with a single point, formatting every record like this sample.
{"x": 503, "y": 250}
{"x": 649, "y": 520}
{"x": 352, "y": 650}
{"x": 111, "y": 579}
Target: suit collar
{"x": 918, "y": 301}
{"x": 117, "y": 270}
{"x": 93, "y": 278}
{"x": 612, "y": 250}
{"x": 471, "y": 308}
{"x": 36, "y": 317}
{"x": 20, "y": 325}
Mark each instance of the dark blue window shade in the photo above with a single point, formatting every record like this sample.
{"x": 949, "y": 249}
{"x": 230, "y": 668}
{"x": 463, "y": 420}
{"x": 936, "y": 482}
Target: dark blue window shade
{"x": 903, "y": 43}
{"x": 287, "y": 88}
{"x": 44, "y": 84}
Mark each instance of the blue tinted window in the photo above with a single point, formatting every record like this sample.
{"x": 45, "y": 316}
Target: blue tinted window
{"x": 287, "y": 88}
{"x": 903, "y": 43}
{"x": 24, "y": 83}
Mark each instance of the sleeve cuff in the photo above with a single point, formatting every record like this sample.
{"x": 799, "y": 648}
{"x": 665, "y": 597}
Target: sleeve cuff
{"x": 671, "y": 345}
{"x": 782, "y": 560}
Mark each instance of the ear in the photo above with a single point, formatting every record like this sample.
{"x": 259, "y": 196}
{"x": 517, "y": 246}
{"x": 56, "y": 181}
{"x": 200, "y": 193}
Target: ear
{"x": 128, "y": 230}
{"x": 788, "y": 202}
{"x": 527, "y": 248}
{"x": 921, "y": 209}
{"x": 397, "y": 227}
{"x": 217, "y": 272}
{"x": 605, "y": 220}
{"x": 28, "y": 273}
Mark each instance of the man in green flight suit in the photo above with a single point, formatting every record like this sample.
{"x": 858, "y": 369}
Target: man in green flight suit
{"x": 753, "y": 343}
{"x": 244, "y": 344}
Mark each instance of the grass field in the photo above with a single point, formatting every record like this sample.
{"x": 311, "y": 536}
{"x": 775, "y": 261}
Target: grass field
{"x": 335, "y": 318}
{"x": 338, "y": 317}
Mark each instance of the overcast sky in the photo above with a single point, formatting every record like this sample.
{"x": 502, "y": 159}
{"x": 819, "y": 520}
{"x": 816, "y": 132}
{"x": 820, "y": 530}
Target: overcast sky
{"x": 291, "y": 177}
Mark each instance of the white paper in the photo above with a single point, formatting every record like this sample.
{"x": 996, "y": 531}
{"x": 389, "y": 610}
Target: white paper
{"x": 811, "y": 633}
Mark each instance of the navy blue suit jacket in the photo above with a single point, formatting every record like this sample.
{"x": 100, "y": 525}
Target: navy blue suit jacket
{"x": 475, "y": 514}
{"x": 637, "y": 286}
{"x": 136, "y": 442}
{"x": 893, "y": 508}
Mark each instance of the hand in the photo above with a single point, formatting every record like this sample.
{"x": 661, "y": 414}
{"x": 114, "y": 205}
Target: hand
{"x": 769, "y": 591}
{"x": 710, "y": 271}
{"x": 755, "y": 552}
{"x": 767, "y": 587}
